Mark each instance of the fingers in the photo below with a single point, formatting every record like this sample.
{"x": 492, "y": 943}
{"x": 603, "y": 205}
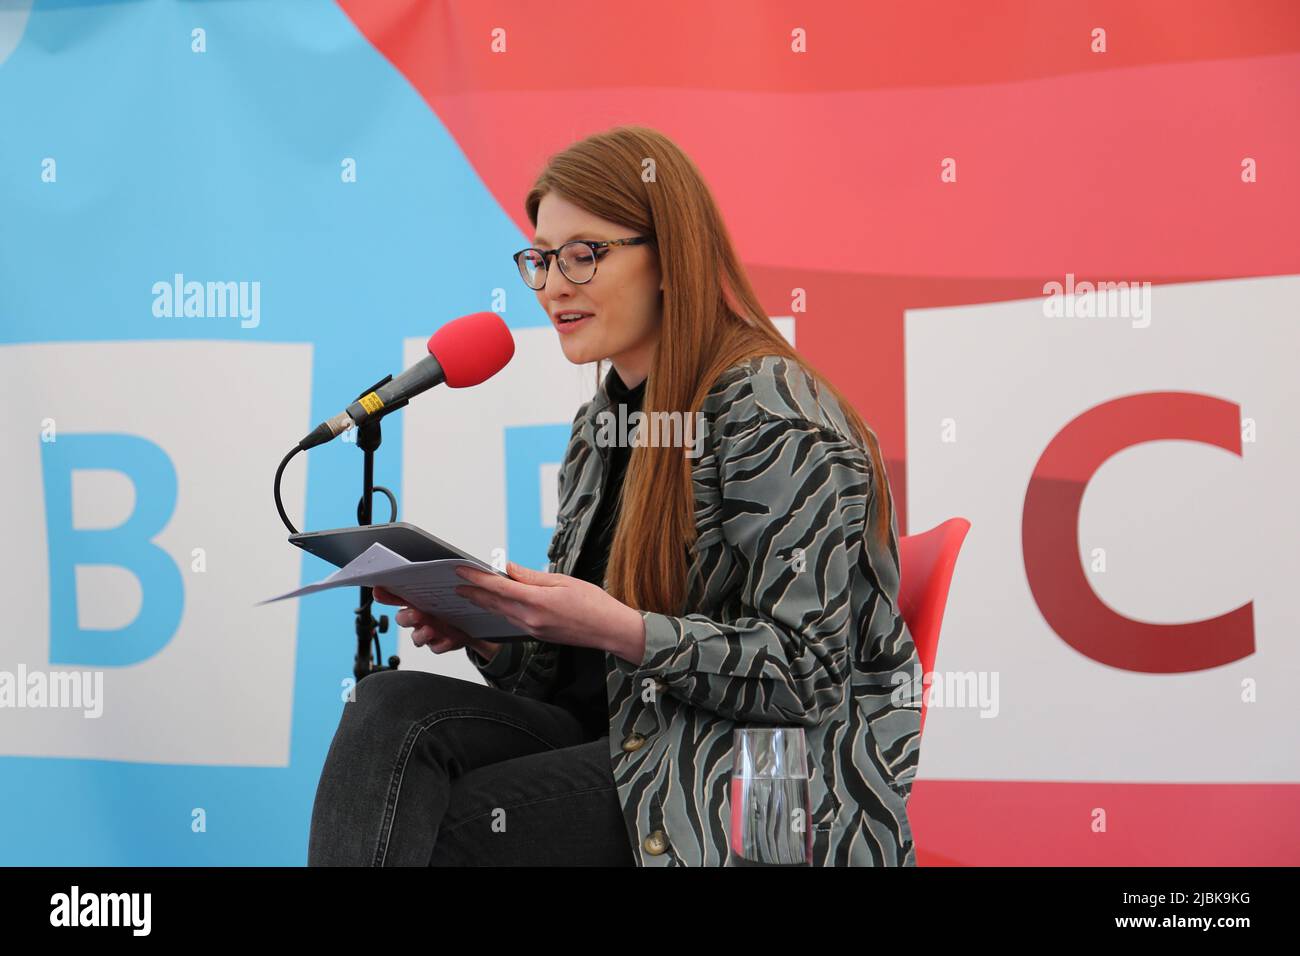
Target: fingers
{"x": 442, "y": 645}
{"x": 487, "y": 600}
{"x": 428, "y": 634}
{"x": 413, "y": 617}
{"x": 508, "y": 588}
{"x": 385, "y": 597}
{"x": 522, "y": 616}
{"x": 425, "y": 627}
{"x": 438, "y": 636}
{"x": 425, "y": 634}
{"x": 410, "y": 617}
{"x": 439, "y": 643}
{"x": 532, "y": 576}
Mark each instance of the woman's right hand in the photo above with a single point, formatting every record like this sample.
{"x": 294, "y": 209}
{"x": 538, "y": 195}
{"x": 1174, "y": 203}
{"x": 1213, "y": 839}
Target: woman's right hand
{"x": 439, "y": 636}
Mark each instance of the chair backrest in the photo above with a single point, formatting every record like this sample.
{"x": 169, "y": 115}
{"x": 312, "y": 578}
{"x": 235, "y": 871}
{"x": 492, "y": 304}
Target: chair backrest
{"x": 926, "y": 565}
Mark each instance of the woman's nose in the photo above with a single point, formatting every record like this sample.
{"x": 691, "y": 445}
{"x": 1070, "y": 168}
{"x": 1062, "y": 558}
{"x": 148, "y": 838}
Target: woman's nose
{"x": 560, "y": 280}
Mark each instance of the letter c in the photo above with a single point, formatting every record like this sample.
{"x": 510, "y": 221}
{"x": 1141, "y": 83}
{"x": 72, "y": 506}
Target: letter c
{"x": 1050, "y": 534}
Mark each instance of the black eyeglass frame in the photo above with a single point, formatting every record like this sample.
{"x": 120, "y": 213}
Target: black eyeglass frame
{"x": 592, "y": 244}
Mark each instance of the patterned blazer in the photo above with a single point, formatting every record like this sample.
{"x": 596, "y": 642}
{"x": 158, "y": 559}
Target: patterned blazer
{"x": 794, "y": 621}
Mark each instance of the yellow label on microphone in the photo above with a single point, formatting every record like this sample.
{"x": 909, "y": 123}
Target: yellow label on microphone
{"x": 371, "y": 403}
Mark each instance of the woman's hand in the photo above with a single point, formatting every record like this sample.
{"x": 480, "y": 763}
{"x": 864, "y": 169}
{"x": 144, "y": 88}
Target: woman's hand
{"x": 558, "y": 608}
{"x": 438, "y": 635}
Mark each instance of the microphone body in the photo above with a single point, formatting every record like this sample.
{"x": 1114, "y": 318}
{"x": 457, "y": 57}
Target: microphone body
{"x": 473, "y": 348}
{"x": 420, "y": 377}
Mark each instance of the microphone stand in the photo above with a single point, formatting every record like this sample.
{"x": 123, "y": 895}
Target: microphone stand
{"x": 369, "y": 438}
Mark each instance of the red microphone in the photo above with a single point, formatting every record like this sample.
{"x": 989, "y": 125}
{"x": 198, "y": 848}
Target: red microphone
{"x": 470, "y": 349}
{"x": 464, "y": 352}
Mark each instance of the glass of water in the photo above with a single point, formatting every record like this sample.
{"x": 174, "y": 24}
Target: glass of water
{"x": 770, "y": 798}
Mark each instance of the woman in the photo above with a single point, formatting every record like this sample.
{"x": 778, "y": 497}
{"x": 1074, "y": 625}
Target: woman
{"x": 749, "y": 572}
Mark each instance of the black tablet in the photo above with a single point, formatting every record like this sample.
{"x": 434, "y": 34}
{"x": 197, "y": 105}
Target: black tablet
{"x": 341, "y": 545}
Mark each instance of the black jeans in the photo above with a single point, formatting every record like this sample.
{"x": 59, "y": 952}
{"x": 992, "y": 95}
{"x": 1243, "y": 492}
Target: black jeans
{"x": 428, "y": 770}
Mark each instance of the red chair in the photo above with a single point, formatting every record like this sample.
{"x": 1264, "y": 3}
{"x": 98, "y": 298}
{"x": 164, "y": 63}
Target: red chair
{"x": 926, "y": 565}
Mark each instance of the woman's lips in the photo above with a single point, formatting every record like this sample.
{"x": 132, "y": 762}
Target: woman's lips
{"x": 572, "y": 326}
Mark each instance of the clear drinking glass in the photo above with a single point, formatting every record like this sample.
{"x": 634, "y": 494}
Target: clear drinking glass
{"x": 770, "y": 798}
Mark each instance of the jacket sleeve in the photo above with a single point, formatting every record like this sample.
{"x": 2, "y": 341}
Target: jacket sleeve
{"x": 526, "y": 668}
{"x": 794, "y": 496}
{"x": 503, "y": 668}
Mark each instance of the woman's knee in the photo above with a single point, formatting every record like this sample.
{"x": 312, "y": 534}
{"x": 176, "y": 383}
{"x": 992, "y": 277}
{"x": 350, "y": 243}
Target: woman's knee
{"x": 390, "y": 699}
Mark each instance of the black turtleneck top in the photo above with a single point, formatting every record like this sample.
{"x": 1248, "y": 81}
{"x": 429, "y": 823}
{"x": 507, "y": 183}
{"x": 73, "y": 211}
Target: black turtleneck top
{"x": 581, "y": 675}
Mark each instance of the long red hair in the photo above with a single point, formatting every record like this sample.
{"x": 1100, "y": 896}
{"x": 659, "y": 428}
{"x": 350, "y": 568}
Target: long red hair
{"x": 712, "y": 320}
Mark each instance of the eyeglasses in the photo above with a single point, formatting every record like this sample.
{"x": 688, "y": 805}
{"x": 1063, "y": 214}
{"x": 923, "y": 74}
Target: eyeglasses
{"x": 577, "y": 259}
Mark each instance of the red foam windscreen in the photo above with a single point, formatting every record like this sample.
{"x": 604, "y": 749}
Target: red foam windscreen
{"x": 473, "y": 348}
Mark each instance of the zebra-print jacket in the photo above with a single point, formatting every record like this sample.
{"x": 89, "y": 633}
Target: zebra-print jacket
{"x": 794, "y": 622}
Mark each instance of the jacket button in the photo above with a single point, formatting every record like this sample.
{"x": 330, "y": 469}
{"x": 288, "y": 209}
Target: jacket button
{"x": 655, "y": 843}
{"x": 634, "y": 742}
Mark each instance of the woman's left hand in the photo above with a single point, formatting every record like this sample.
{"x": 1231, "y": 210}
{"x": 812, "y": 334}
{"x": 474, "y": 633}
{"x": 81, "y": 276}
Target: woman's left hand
{"x": 558, "y": 608}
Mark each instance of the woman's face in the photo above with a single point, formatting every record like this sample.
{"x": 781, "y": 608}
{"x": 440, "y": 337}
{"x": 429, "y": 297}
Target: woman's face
{"x": 624, "y": 298}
